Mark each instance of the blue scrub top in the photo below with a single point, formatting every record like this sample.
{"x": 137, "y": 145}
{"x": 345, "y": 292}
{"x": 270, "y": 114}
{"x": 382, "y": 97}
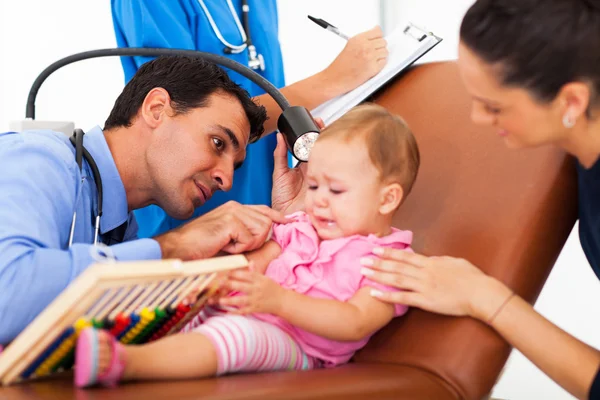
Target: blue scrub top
{"x": 182, "y": 24}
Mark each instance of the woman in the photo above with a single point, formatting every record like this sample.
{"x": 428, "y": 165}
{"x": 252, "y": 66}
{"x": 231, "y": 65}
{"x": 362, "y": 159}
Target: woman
{"x": 533, "y": 70}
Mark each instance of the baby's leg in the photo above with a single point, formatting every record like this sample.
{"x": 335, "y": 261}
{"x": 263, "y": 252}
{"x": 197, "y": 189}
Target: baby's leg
{"x": 221, "y": 344}
{"x": 100, "y": 358}
{"x": 246, "y": 344}
{"x": 181, "y": 356}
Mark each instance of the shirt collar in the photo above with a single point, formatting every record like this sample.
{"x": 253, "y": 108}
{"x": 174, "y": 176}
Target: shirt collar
{"x": 114, "y": 199}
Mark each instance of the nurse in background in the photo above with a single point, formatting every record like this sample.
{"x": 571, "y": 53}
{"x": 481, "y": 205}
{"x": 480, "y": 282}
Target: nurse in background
{"x": 214, "y": 26}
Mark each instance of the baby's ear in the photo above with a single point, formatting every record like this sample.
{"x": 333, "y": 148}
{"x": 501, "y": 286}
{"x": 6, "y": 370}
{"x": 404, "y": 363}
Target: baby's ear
{"x": 391, "y": 197}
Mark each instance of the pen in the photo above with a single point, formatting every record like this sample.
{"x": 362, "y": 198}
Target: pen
{"x": 326, "y": 25}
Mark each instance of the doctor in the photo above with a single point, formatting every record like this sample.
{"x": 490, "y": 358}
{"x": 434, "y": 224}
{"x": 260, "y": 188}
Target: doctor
{"x": 174, "y": 137}
{"x": 223, "y": 27}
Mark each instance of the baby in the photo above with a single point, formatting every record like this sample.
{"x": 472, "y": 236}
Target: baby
{"x": 303, "y": 303}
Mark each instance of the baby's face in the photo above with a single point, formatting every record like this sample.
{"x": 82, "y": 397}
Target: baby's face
{"x": 344, "y": 189}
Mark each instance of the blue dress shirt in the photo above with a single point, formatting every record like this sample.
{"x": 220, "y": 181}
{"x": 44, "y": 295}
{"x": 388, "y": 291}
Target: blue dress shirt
{"x": 41, "y": 187}
{"x": 182, "y": 24}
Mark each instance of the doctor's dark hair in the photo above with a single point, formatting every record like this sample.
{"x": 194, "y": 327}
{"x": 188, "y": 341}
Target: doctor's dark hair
{"x": 538, "y": 45}
{"x": 189, "y": 81}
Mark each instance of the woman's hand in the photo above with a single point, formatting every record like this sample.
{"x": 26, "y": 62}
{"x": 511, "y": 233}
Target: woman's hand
{"x": 443, "y": 285}
{"x": 289, "y": 186}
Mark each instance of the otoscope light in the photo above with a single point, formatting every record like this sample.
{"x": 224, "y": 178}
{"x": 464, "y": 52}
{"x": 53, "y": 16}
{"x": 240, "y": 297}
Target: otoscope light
{"x": 299, "y": 130}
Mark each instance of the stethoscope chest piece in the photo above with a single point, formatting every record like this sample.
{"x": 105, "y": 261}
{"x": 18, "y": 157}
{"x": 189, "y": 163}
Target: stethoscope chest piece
{"x": 255, "y": 59}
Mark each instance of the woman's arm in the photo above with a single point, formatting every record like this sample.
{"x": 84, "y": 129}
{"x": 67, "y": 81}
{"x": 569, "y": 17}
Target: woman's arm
{"x": 568, "y": 361}
{"x": 456, "y": 287}
{"x": 362, "y": 58}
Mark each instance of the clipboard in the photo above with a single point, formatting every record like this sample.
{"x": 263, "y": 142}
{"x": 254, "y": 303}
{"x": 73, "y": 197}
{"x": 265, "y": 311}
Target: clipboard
{"x": 406, "y": 44}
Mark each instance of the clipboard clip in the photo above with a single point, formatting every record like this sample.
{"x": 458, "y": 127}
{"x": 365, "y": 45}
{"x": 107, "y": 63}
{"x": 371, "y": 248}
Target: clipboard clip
{"x": 415, "y": 32}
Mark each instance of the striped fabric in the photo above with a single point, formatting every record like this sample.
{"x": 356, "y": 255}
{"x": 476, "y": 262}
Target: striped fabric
{"x": 246, "y": 344}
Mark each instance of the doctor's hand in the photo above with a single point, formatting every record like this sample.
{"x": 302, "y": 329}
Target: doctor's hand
{"x": 362, "y": 58}
{"x": 232, "y": 228}
{"x": 289, "y": 185}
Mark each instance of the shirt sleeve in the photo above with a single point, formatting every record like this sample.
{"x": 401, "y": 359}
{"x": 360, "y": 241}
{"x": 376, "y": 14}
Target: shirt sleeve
{"x": 36, "y": 207}
{"x": 298, "y": 235}
{"x": 282, "y": 234}
{"x": 141, "y": 23}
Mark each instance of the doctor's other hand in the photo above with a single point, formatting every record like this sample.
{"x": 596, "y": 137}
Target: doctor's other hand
{"x": 232, "y": 228}
{"x": 443, "y": 285}
{"x": 289, "y": 186}
{"x": 362, "y": 58}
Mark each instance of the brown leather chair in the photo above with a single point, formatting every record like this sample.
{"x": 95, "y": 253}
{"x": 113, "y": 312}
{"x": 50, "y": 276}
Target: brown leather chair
{"x": 507, "y": 211}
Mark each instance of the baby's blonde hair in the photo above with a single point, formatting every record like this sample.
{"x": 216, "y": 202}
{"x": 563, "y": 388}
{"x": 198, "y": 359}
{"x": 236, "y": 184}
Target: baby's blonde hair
{"x": 391, "y": 145}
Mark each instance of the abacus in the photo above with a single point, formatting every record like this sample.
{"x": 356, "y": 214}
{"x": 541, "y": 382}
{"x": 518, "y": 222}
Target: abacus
{"x": 137, "y": 302}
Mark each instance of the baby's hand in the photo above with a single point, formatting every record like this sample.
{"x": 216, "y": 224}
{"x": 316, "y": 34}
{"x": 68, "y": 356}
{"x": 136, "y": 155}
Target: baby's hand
{"x": 195, "y": 294}
{"x": 258, "y": 293}
{"x": 191, "y": 297}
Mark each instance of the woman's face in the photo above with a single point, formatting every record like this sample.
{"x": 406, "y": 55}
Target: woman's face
{"x": 520, "y": 119}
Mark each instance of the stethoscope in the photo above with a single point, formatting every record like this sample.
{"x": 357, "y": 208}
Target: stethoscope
{"x": 80, "y": 154}
{"x": 255, "y": 60}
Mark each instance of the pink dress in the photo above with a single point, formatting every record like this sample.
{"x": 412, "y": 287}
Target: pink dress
{"x": 328, "y": 269}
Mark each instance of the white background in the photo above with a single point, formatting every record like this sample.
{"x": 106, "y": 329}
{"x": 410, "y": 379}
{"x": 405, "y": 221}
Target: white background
{"x": 35, "y": 33}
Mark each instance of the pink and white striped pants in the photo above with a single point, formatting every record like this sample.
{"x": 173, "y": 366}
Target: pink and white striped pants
{"x": 246, "y": 344}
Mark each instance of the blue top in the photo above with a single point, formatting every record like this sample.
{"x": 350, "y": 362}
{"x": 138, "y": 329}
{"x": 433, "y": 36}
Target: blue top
{"x": 41, "y": 183}
{"x": 589, "y": 230}
{"x": 589, "y": 213}
{"x": 182, "y": 24}
{"x": 595, "y": 388}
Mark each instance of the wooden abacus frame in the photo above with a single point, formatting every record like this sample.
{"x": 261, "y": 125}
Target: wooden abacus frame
{"x": 136, "y": 301}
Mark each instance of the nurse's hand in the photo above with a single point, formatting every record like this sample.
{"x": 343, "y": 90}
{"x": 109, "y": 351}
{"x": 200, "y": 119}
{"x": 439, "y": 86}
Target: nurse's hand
{"x": 443, "y": 285}
{"x": 362, "y": 58}
{"x": 232, "y": 228}
{"x": 289, "y": 186}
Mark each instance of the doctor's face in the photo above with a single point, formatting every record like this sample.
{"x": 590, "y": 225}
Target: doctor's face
{"x": 194, "y": 154}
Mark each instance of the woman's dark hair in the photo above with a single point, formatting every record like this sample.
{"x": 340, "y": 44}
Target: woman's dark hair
{"x": 539, "y": 45}
{"x": 189, "y": 81}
